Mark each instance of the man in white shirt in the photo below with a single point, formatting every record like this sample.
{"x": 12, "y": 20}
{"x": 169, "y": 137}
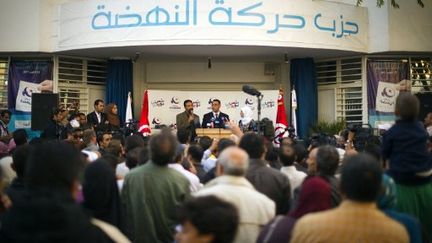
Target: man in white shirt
{"x": 255, "y": 209}
{"x": 287, "y": 157}
{"x": 195, "y": 184}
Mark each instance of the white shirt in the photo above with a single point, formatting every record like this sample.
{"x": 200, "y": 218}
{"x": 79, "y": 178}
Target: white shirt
{"x": 209, "y": 164}
{"x": 255, "y": 209}
{"x": 195, "y": 184}
{"x": 122, "y": 170}
{"x": 98, "y": 115}
{"x": 295, "y": 177}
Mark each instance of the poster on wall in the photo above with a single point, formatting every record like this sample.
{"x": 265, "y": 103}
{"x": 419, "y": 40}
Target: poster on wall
{"x": 164, "y": 105}
{"x": 25, "y": 78}
{"x": 385, "y": 80}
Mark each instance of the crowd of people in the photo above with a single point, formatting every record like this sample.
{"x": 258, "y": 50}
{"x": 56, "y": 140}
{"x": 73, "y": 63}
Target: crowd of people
{"x": 85, "y": 182}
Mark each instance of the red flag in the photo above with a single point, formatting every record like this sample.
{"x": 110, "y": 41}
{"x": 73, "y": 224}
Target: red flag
{"x": 281, "y": 120}
{"x": 144, "y": 125}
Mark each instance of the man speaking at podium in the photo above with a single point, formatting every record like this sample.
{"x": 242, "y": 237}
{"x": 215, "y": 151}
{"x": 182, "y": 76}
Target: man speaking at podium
{"x": 215, "y": 118}
{"x": 187, "y": 120}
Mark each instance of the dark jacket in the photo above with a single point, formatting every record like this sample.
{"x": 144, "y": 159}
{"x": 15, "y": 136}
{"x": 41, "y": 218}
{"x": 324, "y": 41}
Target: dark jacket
{"x": 274, "y": 184}
{"x": 182, "y": 122}
{"x": 219, "y": 122}
{"x": 405, "y": 145}
{"x": 93, "y": 120}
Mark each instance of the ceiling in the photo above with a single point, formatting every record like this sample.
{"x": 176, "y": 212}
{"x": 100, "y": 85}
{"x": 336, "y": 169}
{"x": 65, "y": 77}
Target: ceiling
{"x": 216, "y": 52}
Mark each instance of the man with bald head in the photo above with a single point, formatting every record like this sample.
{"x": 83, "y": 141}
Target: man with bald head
{"x": 255, "y": 209}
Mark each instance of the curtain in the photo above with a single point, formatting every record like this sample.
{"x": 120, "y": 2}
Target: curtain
{"x": 303, "y": 78}
{"x": 119, "y": 84}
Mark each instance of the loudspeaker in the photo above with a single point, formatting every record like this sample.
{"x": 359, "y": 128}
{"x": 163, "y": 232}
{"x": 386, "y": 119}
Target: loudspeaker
{"x": 425, "y": 104}
{"x": 42, "y": 107}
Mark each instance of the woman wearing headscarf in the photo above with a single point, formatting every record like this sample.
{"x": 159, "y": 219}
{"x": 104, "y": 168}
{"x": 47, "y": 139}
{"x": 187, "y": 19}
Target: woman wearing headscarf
{"x": 101, "y": 194}
{"x": 387, "y": 203}
{"x": 246, "y": 122}
{"x": 315, "y": 196}
{"x": 113, "y": 119}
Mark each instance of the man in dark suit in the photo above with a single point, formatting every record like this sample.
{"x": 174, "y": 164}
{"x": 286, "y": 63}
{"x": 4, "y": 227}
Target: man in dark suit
{"x": 97, "y": 118}
{"x": 215, "y": 118}
{"x": 187, "y": 120}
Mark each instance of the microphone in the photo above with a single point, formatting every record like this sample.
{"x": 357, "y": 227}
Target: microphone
{"x": 251, "y": 90}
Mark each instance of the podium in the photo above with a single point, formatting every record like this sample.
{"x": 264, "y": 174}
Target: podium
{"x": 213, "y": 132}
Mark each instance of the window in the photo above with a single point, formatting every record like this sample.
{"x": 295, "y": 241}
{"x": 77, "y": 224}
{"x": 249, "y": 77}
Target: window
{"x": 77, "y": 77}
{"x": 4, "y": 67}
{"x": 342, "y": 79}
{"x": 421, "y": 74}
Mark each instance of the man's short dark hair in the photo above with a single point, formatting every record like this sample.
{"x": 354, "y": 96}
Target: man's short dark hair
{"x": 4, "y": 112}
{"x": 300, "y": 152}
{"x": 285, "y": 159}
{"x": 217, "y": 100}
{"x": 132, "y": 157}
{"x": 196, "y": 152}
{"x": 253, "y": 144}
{"x": 211, "y": 216}
{"x": 20, "y": 137}
{"x": 99, "y": 137}
{"x": 19, "y": 158}
{"x": 186, "y": 101}
{"x": 408, "y": 106}
{"x": 53, "y": 165}
{"x": 205, "y": 142}
{"x": 96, "y": 102}
{"x": 163, "y": 147}
{"x": 224, "y": 143}
{"x": 327, "y": 160}
{"x": 133, "y": 141}
{"x": 361, "y": 178}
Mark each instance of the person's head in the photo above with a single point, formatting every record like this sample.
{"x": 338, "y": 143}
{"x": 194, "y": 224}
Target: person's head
{"x": 144, "y": 156}
{"x": 53, "y": 166}
{"x": 207, "y": 220}
{"x": 183, "y": 136}
{"x": 233, "y": 161}
{"x": 111, "y": 108}
{"x": 57, "y": 115}
{"x": 83, "y": 119}
{"x": 133, "y": 141}
{"x": 89, "y": 137}
{"x": 19, "y": 159}
{"x": 5, "y": 116}
{"x": 407, "y": 106}
{"x": 253, "y": 144}
{"x": 104, "y": 139}
{"x": 195, "y": 153}
{"x": 361, "y": 178}
{"x": 179, "y": 154}
{"x": 428, "y": 120}
{"x": 132, "y": 157}
{"x": 163, "y": 147}
{"x": 311, "y": 161}
{"x": 246, "y": 111}
{"x": 327, "y": 160}
{"x": 99, "y": 106}
{"x": 300, "y": 152}
{"x": 224, "y": 143}
{"x": 216, "y": 105}
{"x": 114, "y": 148}
{"x": 205, "y": 142}
{"x": 20, "y": 137}
{"x": 287, "y": 141}
{"x": 287, "y": 155}
{"x": 188, "y": 105}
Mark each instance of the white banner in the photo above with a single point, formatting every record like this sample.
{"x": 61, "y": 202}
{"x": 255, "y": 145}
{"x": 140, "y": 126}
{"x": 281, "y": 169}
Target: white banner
{"x": 310, "y": 24}
{"x": 164, "y": 105}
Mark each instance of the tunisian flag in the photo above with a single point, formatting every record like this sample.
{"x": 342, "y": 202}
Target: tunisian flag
{"x": 144, "y": 125}
{"x": 281, "y": 121}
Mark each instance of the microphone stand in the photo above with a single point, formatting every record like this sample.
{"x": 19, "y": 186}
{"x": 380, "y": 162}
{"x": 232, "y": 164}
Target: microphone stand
{"x": 259, "y": 114}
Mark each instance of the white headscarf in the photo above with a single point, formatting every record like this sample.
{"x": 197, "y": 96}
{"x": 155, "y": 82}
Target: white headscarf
{"x": 247, "y": 118}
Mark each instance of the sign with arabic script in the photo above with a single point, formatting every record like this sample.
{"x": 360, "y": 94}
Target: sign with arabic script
{"x": 311, "y": 24}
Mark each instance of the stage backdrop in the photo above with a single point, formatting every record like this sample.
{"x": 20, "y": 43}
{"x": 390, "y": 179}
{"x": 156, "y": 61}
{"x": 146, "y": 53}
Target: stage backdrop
{"x": 164, "y": 105}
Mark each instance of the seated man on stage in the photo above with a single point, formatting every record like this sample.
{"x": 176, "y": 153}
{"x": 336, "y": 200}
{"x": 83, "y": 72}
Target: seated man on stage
{"x": 187, "y": 120}
{"x": 215, "y": 118}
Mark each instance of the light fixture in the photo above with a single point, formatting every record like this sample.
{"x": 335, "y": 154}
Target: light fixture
{"x": 286, "y": 59}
